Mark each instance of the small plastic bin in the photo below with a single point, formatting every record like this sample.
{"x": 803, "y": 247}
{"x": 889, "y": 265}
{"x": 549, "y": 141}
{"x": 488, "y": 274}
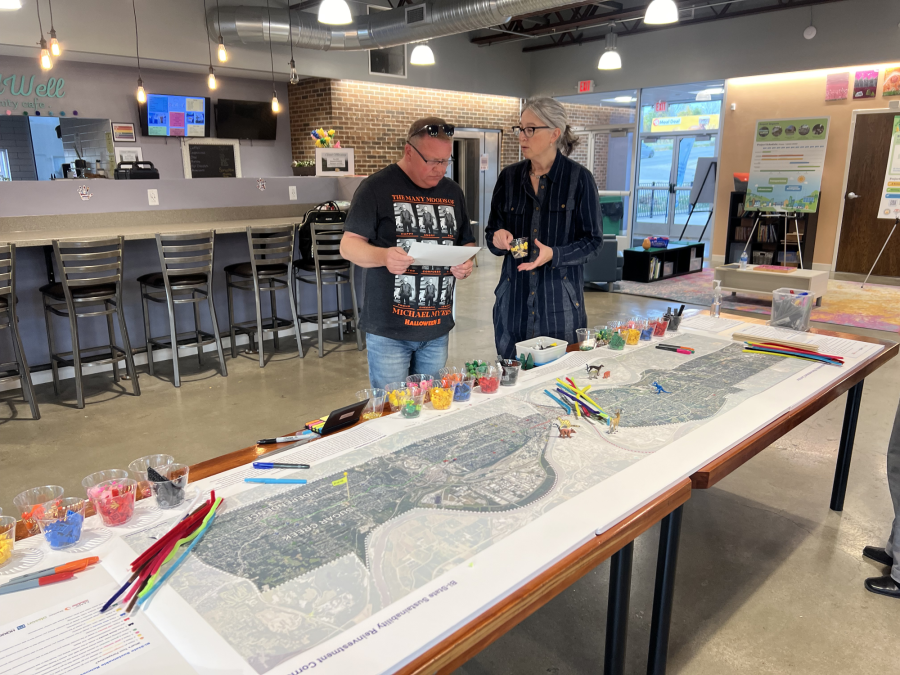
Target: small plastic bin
{"x": 541, "y": 356}
{"x": 791, "y": 308}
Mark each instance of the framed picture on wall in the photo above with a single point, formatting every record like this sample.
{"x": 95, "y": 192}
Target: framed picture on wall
{"x": 334, "y": 161}
{"x": 128, "y": 155}
{"x": 123, "y": 132}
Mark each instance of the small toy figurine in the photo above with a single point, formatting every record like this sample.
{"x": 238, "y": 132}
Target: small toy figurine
{"x": 606, "y": 375}
{"x": 593, "y": 371}
{"x": 659, "y": 390}
{"x": 527, "y": 363}
{"x": 614, "y": 422}
{"x": 565, "y": 427}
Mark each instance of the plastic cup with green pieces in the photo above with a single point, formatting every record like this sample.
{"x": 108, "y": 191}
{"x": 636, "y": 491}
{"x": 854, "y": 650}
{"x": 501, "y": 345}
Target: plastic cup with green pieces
{"x": 586, "y": 340}
{"x": 617, "y": 341}
{"x": 375, "y": 405}
{"x": 412, "y": 401}
{"x": 30, "y": 504}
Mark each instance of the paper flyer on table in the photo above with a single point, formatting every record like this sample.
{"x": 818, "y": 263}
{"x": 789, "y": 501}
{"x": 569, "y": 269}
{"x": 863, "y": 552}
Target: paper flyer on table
{"x": 440, "y": 255}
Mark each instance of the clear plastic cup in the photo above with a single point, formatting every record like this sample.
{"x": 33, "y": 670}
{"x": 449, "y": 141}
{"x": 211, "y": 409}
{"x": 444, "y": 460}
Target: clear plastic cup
{"x": 138, "y": 469}
{"x": 113, "y": 500}
{"x": 421, "y": 381}
{"x": 442, "y": 396}
{"x": 519, "y": 247}
{"x": 510, "y": 368}
{"x": 170, "y": 492}
{"x": 602, "y": 335}
{"x": 586, "y": 340}
{"x": 617, "y": 340}
{"x": 62, "y": 521}
{"x": 392, "y": 393}
{"x": 674, "y": 322}
{"x": 464, "y": 388}
{"x": 100, "y": 476}
{"x": 7, "y": 538}
{"x": 31, "y": 504}
{"x": 375, "y": 406}
{"x": 412, "y": 401}
{"x": 662, "y": 323}
{"x": 488, "y": 379}
{"x": 646, "y": 326}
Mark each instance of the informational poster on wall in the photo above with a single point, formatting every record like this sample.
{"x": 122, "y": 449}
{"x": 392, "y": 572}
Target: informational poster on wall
{"x": 837, "y": 86}
{"x": 891, "y": 86}
{"x": 890, "y": 194}
{"x": 786, "y": 169}
{"x": 865, "y": 82}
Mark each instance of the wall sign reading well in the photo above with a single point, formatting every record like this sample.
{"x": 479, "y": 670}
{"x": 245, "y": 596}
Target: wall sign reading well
{"x": 890, "y": 193}
{"x": 786, "y": 169}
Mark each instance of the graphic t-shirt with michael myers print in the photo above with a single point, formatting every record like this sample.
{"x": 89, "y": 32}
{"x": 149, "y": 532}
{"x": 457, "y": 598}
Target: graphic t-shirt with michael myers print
{"x": 390, "y": 210}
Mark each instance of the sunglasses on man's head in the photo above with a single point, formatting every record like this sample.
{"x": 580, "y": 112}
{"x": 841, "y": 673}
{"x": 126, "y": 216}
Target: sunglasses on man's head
{"x": 434, "y": 129}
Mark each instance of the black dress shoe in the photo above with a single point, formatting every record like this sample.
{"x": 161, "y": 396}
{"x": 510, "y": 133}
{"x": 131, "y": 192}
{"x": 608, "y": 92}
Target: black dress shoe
{"x": 883, "y": 586}
{"x": 878, "y": 555}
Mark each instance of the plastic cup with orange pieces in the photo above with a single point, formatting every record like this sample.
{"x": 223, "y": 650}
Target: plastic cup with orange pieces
{"x": 113, "y": 500}
{"x": 488, "y": 379}
{"x": 442, "y": 395}
{"x": 31, "y": 504}
{"x": 519, "y": 247}
{"x": 394, "y": 393}
{"x": 7, "y": 538}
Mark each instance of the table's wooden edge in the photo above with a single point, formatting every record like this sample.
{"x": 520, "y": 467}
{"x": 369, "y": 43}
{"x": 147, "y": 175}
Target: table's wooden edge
{"x": 719, "y": 468}
{"x": 464, "y": 643}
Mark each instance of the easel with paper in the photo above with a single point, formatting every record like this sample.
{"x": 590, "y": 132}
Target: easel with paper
{"x": 703, "y": 192}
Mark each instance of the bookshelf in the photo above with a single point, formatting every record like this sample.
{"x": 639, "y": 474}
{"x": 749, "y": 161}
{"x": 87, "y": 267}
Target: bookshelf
{"x": 656, "y": 264}
{"x": 768, "y": 245}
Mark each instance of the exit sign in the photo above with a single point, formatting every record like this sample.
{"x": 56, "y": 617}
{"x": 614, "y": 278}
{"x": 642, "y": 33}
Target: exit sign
{"x": 661, "y": 106}
{"x": 585, "y": 86}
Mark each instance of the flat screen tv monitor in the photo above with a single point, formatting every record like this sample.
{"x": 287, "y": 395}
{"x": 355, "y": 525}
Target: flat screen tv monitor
{"x": 164, "y": 115}
{"x": 245, "y": 119}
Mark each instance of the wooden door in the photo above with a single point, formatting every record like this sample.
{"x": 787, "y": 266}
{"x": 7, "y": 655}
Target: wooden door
{"x": 862, "y": 232}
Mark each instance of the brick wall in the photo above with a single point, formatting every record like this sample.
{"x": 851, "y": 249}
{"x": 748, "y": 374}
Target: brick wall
{"x": 373, "y": 119}
{"x": 15, "y": 138}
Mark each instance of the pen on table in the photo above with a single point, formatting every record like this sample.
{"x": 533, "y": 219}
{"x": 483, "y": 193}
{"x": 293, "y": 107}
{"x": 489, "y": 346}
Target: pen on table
{"x": 74, "y": 566}
{"x": 34, "y": 583}
{"x": 680, "y": 310}
{"x": 276, "y": 481}
{"x": 286, "y": 439}
{"x": 673, "y": 348}
{"x": 278, "y": 465}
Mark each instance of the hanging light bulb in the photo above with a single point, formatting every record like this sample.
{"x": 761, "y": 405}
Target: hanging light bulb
{"x": 223, "y": 54}
{"x": 55, "y": 49}
{"x": 211, "y": 80}
{"x": 295, "y": 77}
{"x": 610, "y": 60}
{"x": 335, "y": 12}
{"x": 10, "y": 4}
{"x": 141, "y": 94}
{"x": 421, "y": 56}
{"x": 46, "y": 62}
{"x": 275, "y": 107}
{"x": 661, "y": 11}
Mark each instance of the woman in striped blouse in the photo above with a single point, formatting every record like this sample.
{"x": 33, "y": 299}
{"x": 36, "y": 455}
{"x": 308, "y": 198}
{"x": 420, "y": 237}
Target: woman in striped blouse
{"x": 551, "y": 201}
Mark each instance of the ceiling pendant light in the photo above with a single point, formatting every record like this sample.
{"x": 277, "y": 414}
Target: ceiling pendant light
{"x": 55, "y": 47}
{"x": 610, "y": 60}
{"x": 295, "y": 78}
{"x": 141, "y": 94}
{"x": 335, "y": 12}
{"x": 10, "y": 4}
{"x": 810, "y": 31}
{"x": 421, "y": 56}
{"x": 223, "y": 54}
{"x": 661, "y": 12}
{"x": 275, "y": 107}
{"x": 211, "y": 79}
{"x": 46, "y": 62}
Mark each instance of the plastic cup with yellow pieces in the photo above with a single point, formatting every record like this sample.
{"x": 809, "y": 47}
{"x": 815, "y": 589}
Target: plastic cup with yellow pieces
{"x": 7, "y": 538}
{"x": 442, "y": 394}
{"x": 519, "y": 247}
{"x": 374, "y": 406}
{"x": 394, "y": 394}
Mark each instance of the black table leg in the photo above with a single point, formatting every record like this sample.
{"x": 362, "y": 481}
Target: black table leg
{"x": 845, "y": 449}
{"x": 664, "y": 592}
{"x": 617, "y": 612}
{"x": 48, "y": 261}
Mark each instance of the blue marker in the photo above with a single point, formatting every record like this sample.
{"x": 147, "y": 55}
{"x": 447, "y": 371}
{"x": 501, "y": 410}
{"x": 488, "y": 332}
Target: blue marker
{"x": 278, "y": 465}
{"x": 276, "y": 481}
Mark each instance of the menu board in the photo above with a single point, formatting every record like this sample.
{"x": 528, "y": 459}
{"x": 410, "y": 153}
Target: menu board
{"x": 176, "y": 115}
{"x": 212, "y": 161}
{"x": 786, "y": 168}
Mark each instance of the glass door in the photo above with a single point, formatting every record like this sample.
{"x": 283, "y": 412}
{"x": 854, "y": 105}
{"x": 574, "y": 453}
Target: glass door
{"x": 654, "y": 206}
{"x": 691, "y": 149}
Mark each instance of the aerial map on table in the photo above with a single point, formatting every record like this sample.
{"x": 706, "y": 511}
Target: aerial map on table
{"x": 285, "y": 569}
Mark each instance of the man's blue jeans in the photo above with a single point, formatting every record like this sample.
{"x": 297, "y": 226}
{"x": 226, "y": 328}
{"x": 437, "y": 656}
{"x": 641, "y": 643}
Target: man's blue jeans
{"x": 394, "y": 360}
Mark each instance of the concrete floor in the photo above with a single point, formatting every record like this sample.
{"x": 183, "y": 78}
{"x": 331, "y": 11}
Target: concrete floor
{"x": 769, "y": 579}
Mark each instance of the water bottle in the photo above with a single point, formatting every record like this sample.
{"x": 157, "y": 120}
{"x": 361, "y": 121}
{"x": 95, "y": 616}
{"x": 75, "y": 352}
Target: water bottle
{"x": 744, "y": 260}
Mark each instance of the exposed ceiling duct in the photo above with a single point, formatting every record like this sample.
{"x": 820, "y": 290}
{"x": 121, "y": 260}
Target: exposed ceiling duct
{"x": 412, "y": 23}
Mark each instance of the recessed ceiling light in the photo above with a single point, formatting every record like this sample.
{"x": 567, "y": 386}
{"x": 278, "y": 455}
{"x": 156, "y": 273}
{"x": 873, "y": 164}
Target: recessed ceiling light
{"x": 624, "y": 99}
{"x": 10, "y": 4}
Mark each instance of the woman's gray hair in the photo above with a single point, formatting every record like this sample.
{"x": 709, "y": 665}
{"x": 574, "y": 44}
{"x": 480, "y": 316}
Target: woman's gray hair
{"x": 552, "y": 113}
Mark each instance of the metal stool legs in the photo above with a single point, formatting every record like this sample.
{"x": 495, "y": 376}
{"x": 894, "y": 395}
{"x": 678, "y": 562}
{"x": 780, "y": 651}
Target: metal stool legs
{"x": 8, "y": 312}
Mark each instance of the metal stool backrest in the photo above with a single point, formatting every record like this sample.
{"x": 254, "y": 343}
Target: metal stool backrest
{"x": 185, "y": 253}
{"x": 8, "y": 275}
{"x": 271, "y": 245}
{"x": 88, "y": 263}
{"x": 326, "y": 243}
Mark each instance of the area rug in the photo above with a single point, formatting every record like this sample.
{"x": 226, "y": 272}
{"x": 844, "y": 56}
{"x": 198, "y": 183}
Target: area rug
{"x": 876, "y": 306}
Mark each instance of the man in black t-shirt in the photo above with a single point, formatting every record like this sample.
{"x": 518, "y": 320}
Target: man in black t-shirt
{"x": 404, "y": 339}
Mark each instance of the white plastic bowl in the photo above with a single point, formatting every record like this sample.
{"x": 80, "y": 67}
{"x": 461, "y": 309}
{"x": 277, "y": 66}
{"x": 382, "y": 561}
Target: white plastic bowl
{"x": 542, "y": 356}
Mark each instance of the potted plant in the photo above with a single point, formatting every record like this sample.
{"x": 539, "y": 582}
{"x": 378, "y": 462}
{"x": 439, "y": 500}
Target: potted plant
{"x": 304, "y": 167}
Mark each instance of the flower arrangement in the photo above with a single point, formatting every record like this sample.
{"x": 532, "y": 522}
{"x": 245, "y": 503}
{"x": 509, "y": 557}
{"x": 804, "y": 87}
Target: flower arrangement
{"x": 324, "y": 139}
{"x": 303, "y": 162}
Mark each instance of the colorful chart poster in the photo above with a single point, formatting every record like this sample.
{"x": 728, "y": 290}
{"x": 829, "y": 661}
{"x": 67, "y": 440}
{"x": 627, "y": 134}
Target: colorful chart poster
{"x": 865, "y": 83}
{"x": 837, "y": 86}
{"x": 890, "y": 193}
{"x": 891, "y": 85}
{"x": 786, "y": 169}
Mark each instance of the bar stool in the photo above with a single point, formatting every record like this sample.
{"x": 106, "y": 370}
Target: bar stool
{"x": 8, "y": 312}
{"x": 329, "y": 269}
{"x": 91, "y": 275}
{"x": 187, "y": 262}
{"x": 270, "y": 269}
